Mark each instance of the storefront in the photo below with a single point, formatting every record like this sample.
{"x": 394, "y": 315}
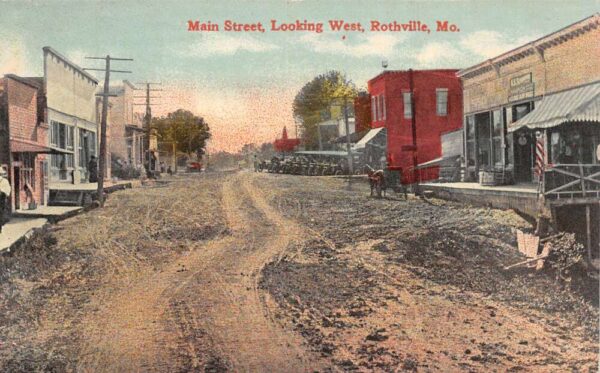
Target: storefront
{"x": 536, "y": 104}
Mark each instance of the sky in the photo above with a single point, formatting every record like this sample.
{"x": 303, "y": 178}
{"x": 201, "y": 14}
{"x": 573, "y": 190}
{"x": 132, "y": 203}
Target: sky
{"x": 244, "y": 83}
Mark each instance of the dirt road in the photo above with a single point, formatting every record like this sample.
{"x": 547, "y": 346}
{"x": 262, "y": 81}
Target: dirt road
{"x": 205, "y": 305}
{"x": 274, "y": 273}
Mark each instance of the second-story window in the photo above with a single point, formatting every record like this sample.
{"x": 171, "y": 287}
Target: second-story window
{"x": 374, "y": 107}
{"x": 441, "y": 99}
{"x": 383, "y": 106}
{"x": 407, "y": 98}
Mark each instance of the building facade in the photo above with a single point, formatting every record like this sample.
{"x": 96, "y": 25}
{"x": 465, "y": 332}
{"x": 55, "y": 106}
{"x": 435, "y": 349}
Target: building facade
{"x": 71, "y": 114}
{"x": 435, "y": 97}
{"x": 543, "y": 92}
{"x": 126, "y": 130}
{"x": 24, "y": 141}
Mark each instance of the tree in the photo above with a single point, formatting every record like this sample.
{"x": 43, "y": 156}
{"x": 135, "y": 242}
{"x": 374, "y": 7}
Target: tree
{"x": 188, "y": 131}
{"x": 313, "y": 102}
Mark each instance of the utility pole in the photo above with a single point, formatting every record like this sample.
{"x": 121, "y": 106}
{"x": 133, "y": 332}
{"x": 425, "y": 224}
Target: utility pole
{"x": 413, "y": 123}
{"x": 105, "y": 95}
{"x": 148, "y": 122}
{"x": 348, "y": 146}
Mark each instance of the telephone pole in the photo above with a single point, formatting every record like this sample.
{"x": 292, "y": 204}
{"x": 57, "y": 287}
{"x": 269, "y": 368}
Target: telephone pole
{"x": 105, "y": 95}
{"x": 148, "y": 121}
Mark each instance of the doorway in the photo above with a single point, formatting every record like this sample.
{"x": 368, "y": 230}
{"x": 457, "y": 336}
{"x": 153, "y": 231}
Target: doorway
{"x": 523, "y": 156}
{"x": 17, "y": 187}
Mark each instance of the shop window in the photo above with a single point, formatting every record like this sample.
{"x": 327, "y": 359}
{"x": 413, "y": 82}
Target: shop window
{"x": 407, "y": 98}
{"x": 484, "y": 139}
{"x": 520, "y": 110}
{"x": 69, "y": 133}
{"x": 470, "y": 131}
{"x": 441, "y": 99}
{"x": 497, "y": 132}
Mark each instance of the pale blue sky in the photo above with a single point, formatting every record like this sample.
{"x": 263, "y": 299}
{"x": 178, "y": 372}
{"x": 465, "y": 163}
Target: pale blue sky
{"x": 215, "y": 73}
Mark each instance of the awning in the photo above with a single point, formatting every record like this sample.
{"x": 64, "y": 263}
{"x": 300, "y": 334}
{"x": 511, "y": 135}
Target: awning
{"x": 354, "y": 137}
{"x": 368, "y": 137}
{"x": 327, "y": 153}
{"x": 433, "y": 162}
{"x": 22, "y": 146}
{"x": 575, "y": 105}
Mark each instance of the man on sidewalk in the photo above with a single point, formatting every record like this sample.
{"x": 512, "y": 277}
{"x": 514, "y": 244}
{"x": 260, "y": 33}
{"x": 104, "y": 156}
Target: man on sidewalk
{"x": 93, "y": 170}
{"x": 5, "y": 191}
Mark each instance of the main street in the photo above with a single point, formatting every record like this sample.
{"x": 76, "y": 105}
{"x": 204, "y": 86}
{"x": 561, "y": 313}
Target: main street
{"x": 240, "y": 271}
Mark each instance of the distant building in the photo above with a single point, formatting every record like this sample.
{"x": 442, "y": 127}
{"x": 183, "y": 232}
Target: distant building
{"x": 24, "y": 140}
{"x": 126, "y": 129}
{"x": 362, "y": 112}
{"x": 70, "y": 107}
{"x": 437, "y": 97}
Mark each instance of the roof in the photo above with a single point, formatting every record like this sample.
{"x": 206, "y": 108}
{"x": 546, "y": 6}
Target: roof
{"x": 393, "y": 72}
{"x": 354, "y": 137}
{"x": 368, "y": 137}
{"x": 70, "y": 63}
{"x": 574, "y": 105}
{"x": 535, "y": 46}
{"x": 22, "y": 80}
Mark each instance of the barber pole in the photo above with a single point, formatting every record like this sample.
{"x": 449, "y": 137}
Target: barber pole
{"x": 539, "y": 154}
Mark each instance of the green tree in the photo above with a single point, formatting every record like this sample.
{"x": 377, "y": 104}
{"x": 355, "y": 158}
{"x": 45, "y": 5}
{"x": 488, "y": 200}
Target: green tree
{"x": 313, "y": 102}
{"x": 188, "y": 131}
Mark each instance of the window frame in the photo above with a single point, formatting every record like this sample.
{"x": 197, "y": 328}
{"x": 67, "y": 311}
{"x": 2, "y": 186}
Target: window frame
{"x": 438, "y": 92}
{"x": 407, "y": 104}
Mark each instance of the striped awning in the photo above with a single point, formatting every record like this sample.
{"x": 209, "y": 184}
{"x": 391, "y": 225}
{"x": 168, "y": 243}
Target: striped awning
{"x": 580, "y": 104}
{"x": 23, "y": 146}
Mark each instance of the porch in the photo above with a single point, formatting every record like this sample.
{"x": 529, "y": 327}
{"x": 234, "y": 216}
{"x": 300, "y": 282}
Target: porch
{"x": 65, "y": 194}
{"x": 520, "y": 197}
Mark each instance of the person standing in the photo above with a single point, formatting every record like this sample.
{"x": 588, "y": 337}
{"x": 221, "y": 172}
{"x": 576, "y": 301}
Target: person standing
{"x": 93, "y": 169}
{"x": 5, "y": 191}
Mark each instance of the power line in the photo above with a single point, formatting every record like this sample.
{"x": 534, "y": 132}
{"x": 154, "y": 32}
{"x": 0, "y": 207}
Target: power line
{"x": 148, "y": 120}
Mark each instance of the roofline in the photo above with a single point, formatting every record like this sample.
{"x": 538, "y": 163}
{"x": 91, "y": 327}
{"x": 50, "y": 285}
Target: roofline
{"x": 22, "y": 80}
{"x": 385, "y": 72}
{"x": 70, "y": 63}
{"x": 593, "y": 21}
{"x": 129, "y": 83}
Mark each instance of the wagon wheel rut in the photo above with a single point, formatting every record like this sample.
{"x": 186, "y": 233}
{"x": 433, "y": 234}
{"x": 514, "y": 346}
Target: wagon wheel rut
{"x": 204, "y": 306}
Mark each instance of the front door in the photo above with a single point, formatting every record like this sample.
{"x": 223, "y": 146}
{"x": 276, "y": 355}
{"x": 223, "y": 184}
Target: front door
{"x": 17, "y": 187}
{"x": 524, "y": 144}
{"x": 85, "y": 157}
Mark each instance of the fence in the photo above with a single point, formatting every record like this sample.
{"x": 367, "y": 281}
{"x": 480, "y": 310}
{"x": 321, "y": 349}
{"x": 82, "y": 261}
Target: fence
{"x": 571, "y": 181}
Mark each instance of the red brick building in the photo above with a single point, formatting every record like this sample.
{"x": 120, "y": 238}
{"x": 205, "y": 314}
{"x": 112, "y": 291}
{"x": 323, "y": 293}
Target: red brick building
{"x": 437, "y": 106}
{"x": 24, "y": 140}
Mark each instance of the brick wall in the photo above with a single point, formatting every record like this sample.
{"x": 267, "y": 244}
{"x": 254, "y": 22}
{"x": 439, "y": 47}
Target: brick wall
{"x": 21, "y": 105}
{"x": 429, "y": 125}
{"x": 572, "y": 63}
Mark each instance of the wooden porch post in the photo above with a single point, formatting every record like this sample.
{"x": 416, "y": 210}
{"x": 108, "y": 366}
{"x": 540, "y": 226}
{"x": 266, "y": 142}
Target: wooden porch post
{"x": 589, "y": 232}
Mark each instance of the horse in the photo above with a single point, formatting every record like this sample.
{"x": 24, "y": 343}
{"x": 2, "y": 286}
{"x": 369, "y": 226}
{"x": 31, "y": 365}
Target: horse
{"x": 376, "y": 181}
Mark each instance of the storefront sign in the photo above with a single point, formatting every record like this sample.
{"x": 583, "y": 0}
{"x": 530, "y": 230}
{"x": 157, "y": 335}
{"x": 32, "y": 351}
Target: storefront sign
{"x": 521, "y": 92}
{"x": 521, "y": 87}
{"x": 520, "y": 80}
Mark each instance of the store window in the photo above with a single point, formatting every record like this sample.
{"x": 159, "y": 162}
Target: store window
{"x": 407, "y": 98}
{"x": 520, "y": 110}
{"x": 497, "y": 132}
{"x": 470, "y": 131}
{"x": 441, "y": 99}
{"x": 484, "y": 139}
